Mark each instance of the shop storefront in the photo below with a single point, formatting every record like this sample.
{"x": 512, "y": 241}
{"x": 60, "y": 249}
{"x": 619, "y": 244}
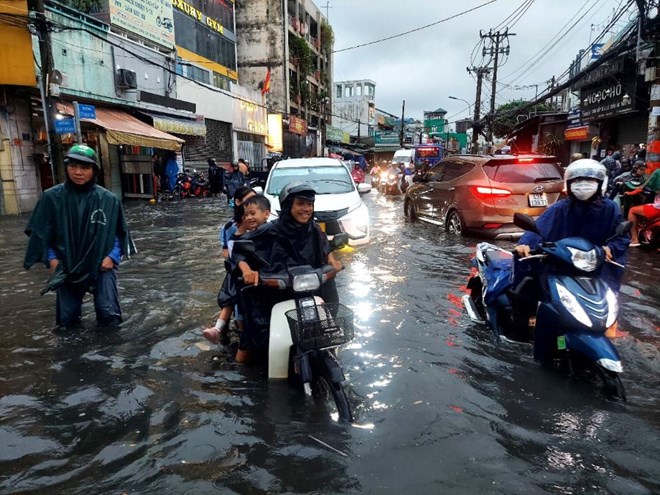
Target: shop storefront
{"x": 125, "y": 146}
{"x": 250, "y": 130}
{"x": 612, "y": 111}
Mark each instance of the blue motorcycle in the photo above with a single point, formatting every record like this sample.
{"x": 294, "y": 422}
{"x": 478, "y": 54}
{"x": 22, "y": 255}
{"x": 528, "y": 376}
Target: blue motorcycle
{"x": 554, "y": 299}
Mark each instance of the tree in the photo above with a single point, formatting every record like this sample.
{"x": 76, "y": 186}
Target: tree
{"x": 506, "y": 116}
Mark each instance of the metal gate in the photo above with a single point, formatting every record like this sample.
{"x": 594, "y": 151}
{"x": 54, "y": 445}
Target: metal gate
{"x": 252, "y": 152}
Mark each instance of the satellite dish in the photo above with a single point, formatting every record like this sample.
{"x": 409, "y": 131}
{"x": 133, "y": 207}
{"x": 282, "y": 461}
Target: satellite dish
{"x": 56, "y": 77}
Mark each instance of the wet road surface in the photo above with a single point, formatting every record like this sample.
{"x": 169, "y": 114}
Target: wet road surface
{"x": 439, "y": 409}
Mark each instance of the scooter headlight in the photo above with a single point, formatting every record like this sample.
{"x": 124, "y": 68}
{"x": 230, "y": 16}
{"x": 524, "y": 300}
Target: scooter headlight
{"x": 611, "y": 365}
{"x": 612, "y": 308}
{"x": 586, "y": 261}
{"x": 306, "y": 283}
{"x": 570, "y": 302}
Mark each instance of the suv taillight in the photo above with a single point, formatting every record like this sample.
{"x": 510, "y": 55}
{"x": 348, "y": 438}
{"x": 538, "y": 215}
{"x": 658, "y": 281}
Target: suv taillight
{"x": 485, "y": 192}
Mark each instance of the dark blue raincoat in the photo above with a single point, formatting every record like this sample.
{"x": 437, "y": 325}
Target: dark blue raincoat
{"x": 594, "y": 220}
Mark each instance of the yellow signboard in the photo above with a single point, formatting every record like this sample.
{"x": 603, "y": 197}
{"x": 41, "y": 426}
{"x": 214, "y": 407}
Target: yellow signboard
{"x": 17, "y": 67}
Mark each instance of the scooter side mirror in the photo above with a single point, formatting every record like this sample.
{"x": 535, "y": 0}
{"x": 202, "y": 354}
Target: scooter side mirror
{"x": 525, "y": 222}
{"x": 623, "y": 228}
{"x": 337, "y": 242}
{"x": 245, "y": 248}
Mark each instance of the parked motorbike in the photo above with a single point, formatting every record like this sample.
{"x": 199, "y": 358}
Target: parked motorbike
{"x": 305, "y": 331}
{"x": 199, "y": 185}
{"x": 561, "y": 304}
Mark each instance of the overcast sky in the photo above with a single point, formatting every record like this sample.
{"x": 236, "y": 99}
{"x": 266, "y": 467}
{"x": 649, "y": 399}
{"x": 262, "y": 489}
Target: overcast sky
{"x": 427, "y": 66}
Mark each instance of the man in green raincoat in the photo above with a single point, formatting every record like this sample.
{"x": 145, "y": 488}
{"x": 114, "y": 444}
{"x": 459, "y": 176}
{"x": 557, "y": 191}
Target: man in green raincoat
{"x": 78, "y": 230}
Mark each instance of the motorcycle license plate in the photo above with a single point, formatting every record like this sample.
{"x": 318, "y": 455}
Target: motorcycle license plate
{"x": 536, "y": 200}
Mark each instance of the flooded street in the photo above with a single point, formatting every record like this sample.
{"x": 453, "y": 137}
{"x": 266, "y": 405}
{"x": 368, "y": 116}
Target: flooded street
{"x": 439, "y": 409}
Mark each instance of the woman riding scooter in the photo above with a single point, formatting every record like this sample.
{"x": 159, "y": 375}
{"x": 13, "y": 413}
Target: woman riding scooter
{"x": 585, "y": 213}
{"x": 294, "y": 239}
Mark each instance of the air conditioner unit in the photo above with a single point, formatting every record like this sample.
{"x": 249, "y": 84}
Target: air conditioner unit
{"x": 58, "y": 77}
{"x": 126, "y": 79}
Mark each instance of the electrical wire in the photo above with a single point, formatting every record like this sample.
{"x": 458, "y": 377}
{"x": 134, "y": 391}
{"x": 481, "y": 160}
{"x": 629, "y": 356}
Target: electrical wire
{"x": 417, "y": 29}
{"x": 549, "y": 45}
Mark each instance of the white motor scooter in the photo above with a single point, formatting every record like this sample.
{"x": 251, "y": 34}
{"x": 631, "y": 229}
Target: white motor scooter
{"x": 305, "y": 331}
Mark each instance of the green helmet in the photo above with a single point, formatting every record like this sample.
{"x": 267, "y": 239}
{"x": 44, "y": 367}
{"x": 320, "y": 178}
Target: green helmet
{"x": 82, "y": 153}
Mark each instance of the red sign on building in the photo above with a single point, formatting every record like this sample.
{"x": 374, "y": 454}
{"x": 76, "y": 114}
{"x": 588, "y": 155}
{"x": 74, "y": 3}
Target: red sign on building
{"x": 297, "y": 125}
{"x": 577, "y": 133}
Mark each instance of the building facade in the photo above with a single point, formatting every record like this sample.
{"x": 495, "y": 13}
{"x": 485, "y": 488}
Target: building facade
{"x": 354, "y": 107}
{"x": 285, "y": 50}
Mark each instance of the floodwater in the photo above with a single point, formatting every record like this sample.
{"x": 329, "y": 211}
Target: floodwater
{"x": 151, "y": 409}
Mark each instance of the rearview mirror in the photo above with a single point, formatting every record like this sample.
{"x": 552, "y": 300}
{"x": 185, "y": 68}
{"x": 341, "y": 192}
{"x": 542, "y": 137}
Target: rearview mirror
{"x": 525, "y": 222}
{"x": 623, "y": 227}
{"x": 258, "y": 189}
{"x": 244, "y": 248}
{"x": 337, "y": 242}
{"x": 363, "y": 188}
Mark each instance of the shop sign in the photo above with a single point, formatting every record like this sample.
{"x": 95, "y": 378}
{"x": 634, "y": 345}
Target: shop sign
{"x": 577, "y": 133}
{"x": 387, "y": 138}
{"x": 150, "y": 19}
{"x": 250, "y": 117}
{"x": 65, "y": 126}
{"x": 606, "y": 101}
{"x": 574, "y": 117}
{"x": 337, "y": 135}
{"x": 198, "y": 15}
{"x": 608, "y": 69}
{"x": 275, "y": 141}
{"x": 297, "y": 125}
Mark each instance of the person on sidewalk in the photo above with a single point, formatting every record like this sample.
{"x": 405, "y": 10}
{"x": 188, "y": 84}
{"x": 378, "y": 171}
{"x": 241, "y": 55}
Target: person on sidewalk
{"x": 215, "y": 177}
{"x": 79, "y": 231}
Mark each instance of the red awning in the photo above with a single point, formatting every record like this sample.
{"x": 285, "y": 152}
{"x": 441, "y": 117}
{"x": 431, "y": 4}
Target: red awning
{"x": 123, "y": 128}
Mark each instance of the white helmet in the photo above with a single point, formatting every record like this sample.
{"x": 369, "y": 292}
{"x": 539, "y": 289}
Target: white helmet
{"x": 586, "y": 168}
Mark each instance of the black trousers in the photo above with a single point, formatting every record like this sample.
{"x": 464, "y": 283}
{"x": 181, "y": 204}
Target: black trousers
{"x": 106, "y": 301}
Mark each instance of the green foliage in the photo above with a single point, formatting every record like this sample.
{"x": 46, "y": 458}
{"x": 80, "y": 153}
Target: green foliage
{"x": 302, "y": 53}
{"x": 551, "y": 144}
{"x": 327, "y": 38}
{"x": 506, "y": 116}
{"x": 84, "y": 6}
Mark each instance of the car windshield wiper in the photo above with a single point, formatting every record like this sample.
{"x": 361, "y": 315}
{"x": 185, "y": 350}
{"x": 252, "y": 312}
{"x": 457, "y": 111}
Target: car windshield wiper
{"x": 336, "y": 181}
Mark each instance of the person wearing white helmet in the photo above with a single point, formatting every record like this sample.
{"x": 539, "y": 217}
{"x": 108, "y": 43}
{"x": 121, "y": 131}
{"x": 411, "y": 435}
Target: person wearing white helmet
{"x": 584, "y": 213}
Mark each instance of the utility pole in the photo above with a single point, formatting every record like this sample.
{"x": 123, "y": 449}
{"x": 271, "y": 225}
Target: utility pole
{"x": 494, "y": 51}
{"x": 403, "y": 113}
{"x": 476, "y": 127}
{"x": 327, "y": 8}
{"x": 42, "y": 26}
{"x": 359, "y": 125}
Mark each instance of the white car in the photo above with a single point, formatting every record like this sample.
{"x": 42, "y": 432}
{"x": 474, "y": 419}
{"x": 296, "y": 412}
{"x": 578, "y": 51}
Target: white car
{"x": 338, "y": 206}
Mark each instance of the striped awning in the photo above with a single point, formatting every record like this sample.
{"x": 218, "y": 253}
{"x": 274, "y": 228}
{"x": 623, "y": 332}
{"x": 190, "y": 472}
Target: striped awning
{"x": 123, "y": 128}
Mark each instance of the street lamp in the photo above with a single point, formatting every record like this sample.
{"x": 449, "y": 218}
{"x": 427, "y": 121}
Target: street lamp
{"x": 461, "y": 99}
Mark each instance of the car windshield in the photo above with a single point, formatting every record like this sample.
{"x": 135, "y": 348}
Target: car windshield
{"x": 523, "y": 173}
{"x": 326, "y": 180}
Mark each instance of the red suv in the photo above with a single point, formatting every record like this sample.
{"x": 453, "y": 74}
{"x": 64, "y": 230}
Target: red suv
{"x": 480, "y": 193}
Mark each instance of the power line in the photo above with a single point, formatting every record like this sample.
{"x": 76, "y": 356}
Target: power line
{"x": 417, "y": 29}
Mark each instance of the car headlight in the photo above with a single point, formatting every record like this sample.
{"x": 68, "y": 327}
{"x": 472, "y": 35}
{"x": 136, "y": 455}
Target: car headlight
{"x": 570, "y": 302}
{"x": 612, "y": 308}
{"x": 356, "y": 222}
{"x": 306, "y": 283}
{"x": 586, "y": 261}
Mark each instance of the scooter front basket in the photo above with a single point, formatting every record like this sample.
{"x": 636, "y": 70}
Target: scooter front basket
{"x": 321, "y": 326}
